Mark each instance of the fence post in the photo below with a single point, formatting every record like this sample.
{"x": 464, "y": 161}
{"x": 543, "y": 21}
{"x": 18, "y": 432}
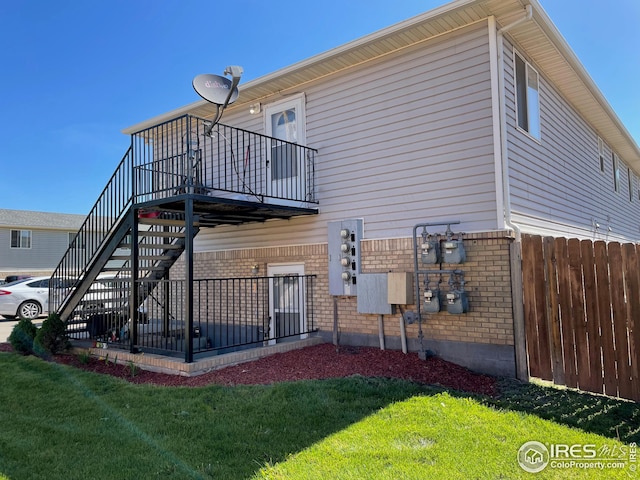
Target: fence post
{"x": 519, "y": 333}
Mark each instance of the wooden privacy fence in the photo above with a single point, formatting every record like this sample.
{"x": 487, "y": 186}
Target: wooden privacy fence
{"x": 582, "y": 313}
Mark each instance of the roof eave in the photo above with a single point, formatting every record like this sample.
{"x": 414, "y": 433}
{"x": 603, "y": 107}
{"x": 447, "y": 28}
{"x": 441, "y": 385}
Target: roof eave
{"x": 630, "y": 152}
{"x": 607, "y": 123}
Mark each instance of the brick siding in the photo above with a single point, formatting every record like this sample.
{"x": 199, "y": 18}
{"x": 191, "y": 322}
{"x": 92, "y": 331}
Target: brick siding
{"x": 487, "y": 276}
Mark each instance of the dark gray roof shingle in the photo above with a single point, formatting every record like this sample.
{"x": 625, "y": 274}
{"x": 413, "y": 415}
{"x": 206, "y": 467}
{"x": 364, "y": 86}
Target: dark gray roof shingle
{"x": 44, "y": 220}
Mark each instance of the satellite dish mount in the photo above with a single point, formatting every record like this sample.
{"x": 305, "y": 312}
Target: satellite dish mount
{"x": 218, "y": 90}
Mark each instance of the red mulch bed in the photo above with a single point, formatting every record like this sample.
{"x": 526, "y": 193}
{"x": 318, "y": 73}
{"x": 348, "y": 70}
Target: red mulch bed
{"x": 317, "y": 362}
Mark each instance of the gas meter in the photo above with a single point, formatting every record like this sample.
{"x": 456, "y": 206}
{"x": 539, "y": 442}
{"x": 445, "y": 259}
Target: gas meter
{"x": 430, "y": 249}
{"x": 432, "y": 300}
{"x": 457, "y": 301}
{"x": 453, "y": 249}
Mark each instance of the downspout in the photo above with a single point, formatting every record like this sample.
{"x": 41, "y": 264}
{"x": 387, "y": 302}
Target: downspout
{"x": 501, "y": 152}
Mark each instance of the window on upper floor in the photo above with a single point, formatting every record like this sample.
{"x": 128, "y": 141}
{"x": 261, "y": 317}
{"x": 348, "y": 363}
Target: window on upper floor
{"x": 20, "y": 238}
{"x": 601, "y": 154}
{"x": 630, "y": 180}
{"x": 527, "y": 97}
{"x": 615, "y": 163}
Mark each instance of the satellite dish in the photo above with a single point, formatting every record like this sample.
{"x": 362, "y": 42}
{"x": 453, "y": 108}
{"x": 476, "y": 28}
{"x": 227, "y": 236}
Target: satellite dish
{"x": 215, "y": 89}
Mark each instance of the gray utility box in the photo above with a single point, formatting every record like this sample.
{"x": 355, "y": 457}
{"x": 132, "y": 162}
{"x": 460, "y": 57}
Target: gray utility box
{"x": 344, "y": 256}
{"x": 373, "y": 294}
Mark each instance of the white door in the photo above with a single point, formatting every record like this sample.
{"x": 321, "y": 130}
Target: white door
{"x": 286, "y": 177}
{"x": 286, "y": 303}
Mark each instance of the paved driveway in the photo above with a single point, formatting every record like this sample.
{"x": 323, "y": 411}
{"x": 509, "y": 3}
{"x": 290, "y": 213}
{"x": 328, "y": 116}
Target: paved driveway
{"x": 7, "y": 325}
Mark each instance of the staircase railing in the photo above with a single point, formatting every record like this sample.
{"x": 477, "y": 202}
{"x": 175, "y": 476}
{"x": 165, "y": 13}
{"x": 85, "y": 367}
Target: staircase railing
{"x": 179, "y": 157}
{"x": 103, "y": 219}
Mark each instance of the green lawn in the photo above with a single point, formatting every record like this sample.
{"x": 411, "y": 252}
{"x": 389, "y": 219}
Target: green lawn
{"x": 61, "y": 423}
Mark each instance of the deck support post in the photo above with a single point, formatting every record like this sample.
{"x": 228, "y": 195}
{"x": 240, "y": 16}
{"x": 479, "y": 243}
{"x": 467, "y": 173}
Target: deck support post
{"x": 188, "y": 279}
{"x": 133, "y": 299}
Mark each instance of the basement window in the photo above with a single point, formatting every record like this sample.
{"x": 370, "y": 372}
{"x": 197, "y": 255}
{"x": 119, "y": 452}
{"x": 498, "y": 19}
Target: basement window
{"x": 20, "y": 238}
{"x": 527, "y": 97}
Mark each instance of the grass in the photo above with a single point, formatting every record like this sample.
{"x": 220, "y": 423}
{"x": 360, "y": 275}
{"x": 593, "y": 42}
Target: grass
{"x": 58, "y": 422}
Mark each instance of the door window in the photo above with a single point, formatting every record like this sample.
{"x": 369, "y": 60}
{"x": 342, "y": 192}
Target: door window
{"x": 286, "y": 303}
{"x": 285, "y": 125}
{"x": 283, "y": 155}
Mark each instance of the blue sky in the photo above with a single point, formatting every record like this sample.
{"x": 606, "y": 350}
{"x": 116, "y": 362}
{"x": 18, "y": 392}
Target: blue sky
{"x": 75, "y": 73}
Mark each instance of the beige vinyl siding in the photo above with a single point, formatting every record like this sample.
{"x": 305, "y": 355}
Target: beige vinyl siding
{"x": 403, "y": 139}
{"x": 556, "y": 184}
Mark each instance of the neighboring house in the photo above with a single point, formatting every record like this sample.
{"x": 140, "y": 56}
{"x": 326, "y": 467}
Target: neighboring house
{"x": 477, "y": 112}
{"x": 33, "y": 243}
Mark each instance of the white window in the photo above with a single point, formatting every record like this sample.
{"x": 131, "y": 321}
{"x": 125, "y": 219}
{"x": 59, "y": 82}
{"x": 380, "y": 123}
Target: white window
{"x": 616, "y": 172}
{"x": 20, "y": 238}
{"x": 527, "y": 97}
{"x": 601, "y": 154}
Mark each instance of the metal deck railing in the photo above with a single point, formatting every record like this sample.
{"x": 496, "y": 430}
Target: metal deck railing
{"x": 170, "y": 160}
{"x": 177, "y": 157}
{"x": 229, "y": 314}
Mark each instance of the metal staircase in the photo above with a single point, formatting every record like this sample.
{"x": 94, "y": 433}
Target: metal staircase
{"x": 175, "y": 178}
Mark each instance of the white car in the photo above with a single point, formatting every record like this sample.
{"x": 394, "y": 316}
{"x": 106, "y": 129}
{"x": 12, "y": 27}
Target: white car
{"x": 108, "y": 294}
{"x": 27, "y": 298}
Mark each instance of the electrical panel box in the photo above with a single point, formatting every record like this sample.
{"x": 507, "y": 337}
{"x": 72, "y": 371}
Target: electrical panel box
{"x": 400, "y": 288}
{"x": 344, "y": 256}
{"x": 372, "y": 294}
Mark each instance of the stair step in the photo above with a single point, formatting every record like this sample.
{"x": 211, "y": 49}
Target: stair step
{"x": 164, "y": 222}
{"x": 151, "y": 258}
{"x": 154, "y": 246}
{"x": 142, "y": 269}
{"x": 151, "y": 233}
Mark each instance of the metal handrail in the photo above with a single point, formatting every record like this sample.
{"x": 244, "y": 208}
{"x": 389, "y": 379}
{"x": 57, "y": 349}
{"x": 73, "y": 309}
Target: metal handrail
{"x": 105, "y": 215}
{"x": 231, "y": 314}
{"x": 177, "y": 157}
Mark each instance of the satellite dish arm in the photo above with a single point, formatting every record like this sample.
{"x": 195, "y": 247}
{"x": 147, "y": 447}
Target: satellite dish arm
{"x": 235, "y": 72}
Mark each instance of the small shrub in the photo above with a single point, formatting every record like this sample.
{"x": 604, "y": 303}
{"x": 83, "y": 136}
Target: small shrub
{"x": 51, "y": 338}
{"x": 133, "y": 369}
{"x": 84, "y": 357}
{"x": 22, "y": 336}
